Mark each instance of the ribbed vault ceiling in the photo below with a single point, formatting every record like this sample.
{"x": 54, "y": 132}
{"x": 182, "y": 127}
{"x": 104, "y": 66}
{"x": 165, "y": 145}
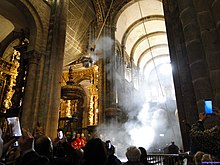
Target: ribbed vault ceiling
{"x": 141, "y": 29}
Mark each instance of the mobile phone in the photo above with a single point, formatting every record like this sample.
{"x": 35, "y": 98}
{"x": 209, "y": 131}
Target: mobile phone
{"x": 108, "y": 142}
{"x": 15, "y": 126}
{"x": 208, "y": 106}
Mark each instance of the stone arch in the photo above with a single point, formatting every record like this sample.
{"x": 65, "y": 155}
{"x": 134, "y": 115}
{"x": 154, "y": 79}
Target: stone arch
{"x": 120, "y": 7}
{"x": 25, "y": 15}
{"x": 145, "y": 37}
{"x": 149, "y": 50}
{"x": 139, "y": 22}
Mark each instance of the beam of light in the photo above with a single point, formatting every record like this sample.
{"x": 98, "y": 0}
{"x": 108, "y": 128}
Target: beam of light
{"x": 142, "y": 136}
{"x": 165, "y": 69}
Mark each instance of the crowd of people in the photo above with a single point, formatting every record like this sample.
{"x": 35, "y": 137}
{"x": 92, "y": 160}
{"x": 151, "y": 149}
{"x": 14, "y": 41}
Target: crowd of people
{"x": 38, "y": 149}
{"x": 41, "y": 150}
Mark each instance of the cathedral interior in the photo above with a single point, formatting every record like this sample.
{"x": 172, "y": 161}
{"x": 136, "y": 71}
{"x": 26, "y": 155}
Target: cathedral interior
{"x": 135, "y": 71}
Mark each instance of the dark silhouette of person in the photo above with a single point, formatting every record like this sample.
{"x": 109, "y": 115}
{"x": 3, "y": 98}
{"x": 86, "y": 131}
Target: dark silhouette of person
{"x": 173, "y": 149}
{"x": 59, "y": 144}
{"x": 206, "y": 140}
{"x": 43, "y": 146}
{"x": 112, "y": 158}
{"x": 28, "y": 155}
{"x": 143, "y": 158}
{"x": 95, "y": 152}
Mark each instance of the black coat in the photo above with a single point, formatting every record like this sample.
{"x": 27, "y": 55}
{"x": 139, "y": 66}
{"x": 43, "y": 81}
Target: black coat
{"x": 32, "y": 158}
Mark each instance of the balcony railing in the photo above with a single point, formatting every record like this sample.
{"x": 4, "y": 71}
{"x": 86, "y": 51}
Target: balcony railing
{"x": 170, "y": 159}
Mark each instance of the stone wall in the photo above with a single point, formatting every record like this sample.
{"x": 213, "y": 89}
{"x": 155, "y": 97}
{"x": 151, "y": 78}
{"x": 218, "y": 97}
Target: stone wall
{"x": 193, "y": 35}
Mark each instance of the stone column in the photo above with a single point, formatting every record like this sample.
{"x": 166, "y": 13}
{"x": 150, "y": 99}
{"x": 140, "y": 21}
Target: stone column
{"x": 215, "y": 5}
{"x": 29, "y": 112}
{"x": 195, "y": 52}
{"x": 112, "y": 112}
{"x": 49, "y": 100}
{"x": 208, "y": 19}
{"x": 58, "y": 53}
{"x": 185, "y": 96}
{"x": 123, "y": 59}
{"x": 109, "y": 53}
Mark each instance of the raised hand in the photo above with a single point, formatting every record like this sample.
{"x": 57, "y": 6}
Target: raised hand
{"x": 216, "y": 111}
{"x": 202, "y": 116}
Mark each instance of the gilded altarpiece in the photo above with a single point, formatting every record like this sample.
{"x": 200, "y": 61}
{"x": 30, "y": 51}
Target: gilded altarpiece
{"x": 81, "y": 104}
{"x": 8, "y": 73}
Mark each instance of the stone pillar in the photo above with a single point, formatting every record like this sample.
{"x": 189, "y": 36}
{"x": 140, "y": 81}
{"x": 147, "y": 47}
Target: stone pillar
{"x": 111, "y": 109}
{"x": 29, "y": 112}
{"x": 123, "y": 59}
{"x": 49, "y": 100}
{"x": 195, "y": 51}
{"x": 185, "y": 96}
{"x": 209, "y": 34}
{"x": 109, "y": 53}
{"x": 215, "y": 74}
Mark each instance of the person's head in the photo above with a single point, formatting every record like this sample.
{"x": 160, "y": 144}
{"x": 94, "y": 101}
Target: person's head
{"x": 110, "y": 148}
{"x": 43, "y": 145}
{"x": 95, "y": 152}
{"x": 143, "y": 157}
{"x": 133, "y": 154}
{"x": 143, "y": 151}
{"x": 206, "y": 158}
{"x": 78, "y": 135}
{"x": 26, "y": 141}
{"x": 198, "y": 157}
{"x": 60, "y": 134}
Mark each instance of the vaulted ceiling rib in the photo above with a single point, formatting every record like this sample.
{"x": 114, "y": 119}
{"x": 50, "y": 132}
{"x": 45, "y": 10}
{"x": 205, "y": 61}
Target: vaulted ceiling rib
{"x": 150, "y": 65}
{"x": 142, "y": 42}
{"x": 152, "y": 52}
{"x": 151, "y": 41}
{"x": 138, "y": 23}
{"x": 141, "y": 29}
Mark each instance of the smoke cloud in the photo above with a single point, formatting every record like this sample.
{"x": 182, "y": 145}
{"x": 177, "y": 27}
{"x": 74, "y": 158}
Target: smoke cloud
{"x": 151, "y": 124}
{"x": 103, "y": 43}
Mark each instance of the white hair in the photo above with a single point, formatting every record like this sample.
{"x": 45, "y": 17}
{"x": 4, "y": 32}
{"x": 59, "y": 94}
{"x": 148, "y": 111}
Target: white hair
{"x": 206, "y": 158}
{"x": 133, "y": 154}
